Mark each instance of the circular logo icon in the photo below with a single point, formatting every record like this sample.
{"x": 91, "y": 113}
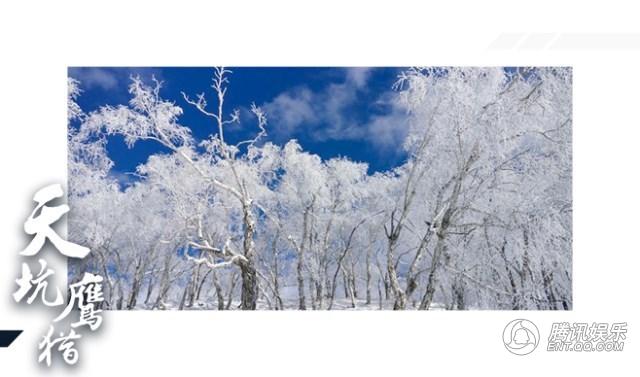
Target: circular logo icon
{"x": 521, "y": 337}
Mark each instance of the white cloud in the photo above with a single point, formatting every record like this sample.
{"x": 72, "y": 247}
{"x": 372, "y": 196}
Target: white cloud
{"x": 110, "y": 78}
{"x": 326, "y": 114}
{"x": 388, "y": 131}
{"x": 358, "y": 75}
{"x": 291, "y": 110}
{"x": 92, "y": 77}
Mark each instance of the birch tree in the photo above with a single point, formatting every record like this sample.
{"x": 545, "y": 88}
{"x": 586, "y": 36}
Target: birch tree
{"x": 478, "y": 215}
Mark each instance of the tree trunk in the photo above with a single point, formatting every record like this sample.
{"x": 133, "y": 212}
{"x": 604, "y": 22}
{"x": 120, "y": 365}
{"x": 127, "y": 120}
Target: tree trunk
{"x": 400, "y": 301}
{"x": 345, "y": 283}
{"x": 319, "y": 294}
{"x": 149, "y": 290}
{"x": 352, "y": 280}
{"x": 458, "y": 293}
{"x": 312, "y": 294}
{"x": 299, "y": 271}
{"x": 201, "y": 284}
{"x": 219, "y": 293}
{"x": 164, "y": 283}
{"x": 232, "y": 284}
{"x": 400, "y": 298}
{"x": 441, "y": 227}
{"x": 135, "y": 286}
{"x": 368, "y": 278}
{"x": 300, "y": 267}
{"x": 249, "y": 295}
{"x": 276, "y": 281}
{"x": 432, "y": 280}
{"x": 184, "y": 296}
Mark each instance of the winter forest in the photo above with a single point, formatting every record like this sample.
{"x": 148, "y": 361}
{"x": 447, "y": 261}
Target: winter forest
{"x": 476, "y": 215}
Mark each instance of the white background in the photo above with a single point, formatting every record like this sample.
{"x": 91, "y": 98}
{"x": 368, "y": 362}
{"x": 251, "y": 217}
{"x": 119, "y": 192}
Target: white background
{"x": 40, "y": 39}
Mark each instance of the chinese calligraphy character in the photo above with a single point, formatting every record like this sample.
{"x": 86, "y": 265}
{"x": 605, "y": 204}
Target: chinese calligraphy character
{"x": 560, "y": 332}
{"x": 27, "y": 282}
{"x": 65, "y": 345}
{"x": 40, "y": 225}
{"x": 599, "y": 332}
{"x": 578, "y": 333}
{"x": 618, "y": 331}
{"x": 85, "y": 294}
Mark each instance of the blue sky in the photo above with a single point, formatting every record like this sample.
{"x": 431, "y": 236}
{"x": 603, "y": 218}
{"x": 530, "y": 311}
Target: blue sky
{"x": 331, "y": 111}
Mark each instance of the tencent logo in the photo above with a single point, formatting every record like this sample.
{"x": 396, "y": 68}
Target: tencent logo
{"x": 521, "y": 337}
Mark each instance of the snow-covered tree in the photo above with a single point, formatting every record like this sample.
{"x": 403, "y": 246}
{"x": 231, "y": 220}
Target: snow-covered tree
{"x": 477, "y": 216}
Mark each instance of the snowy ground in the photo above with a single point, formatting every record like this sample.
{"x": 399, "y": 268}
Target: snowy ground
{"x": 338, "y": 304}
